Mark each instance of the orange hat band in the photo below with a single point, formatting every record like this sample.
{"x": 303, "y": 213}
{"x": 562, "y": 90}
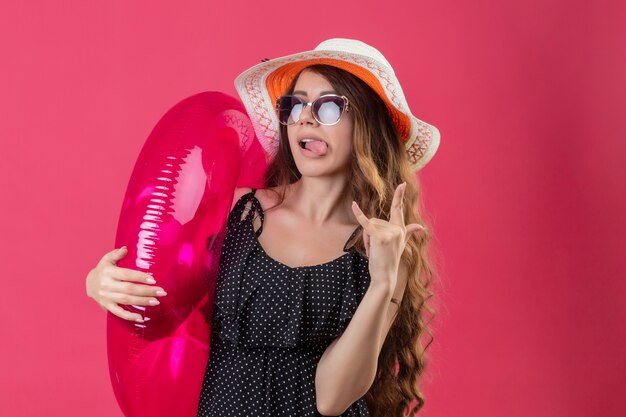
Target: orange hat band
{"x": 279, "y": 80}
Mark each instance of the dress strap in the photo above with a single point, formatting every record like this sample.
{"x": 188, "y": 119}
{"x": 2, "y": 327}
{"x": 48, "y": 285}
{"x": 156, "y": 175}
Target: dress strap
{"x": 254, "y": 208}
{"x": 345, "y": 249}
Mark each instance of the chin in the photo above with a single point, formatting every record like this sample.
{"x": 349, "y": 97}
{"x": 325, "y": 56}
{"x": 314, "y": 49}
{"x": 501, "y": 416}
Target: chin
{"x": 307, "y": 170}
{"x": 311, "y": 167}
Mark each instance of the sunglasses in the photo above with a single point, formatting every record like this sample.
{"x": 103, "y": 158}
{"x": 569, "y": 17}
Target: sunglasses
{"x": 326, "y": 109}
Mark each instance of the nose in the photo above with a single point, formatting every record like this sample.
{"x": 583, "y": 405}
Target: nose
{"x": 307, "y": 115}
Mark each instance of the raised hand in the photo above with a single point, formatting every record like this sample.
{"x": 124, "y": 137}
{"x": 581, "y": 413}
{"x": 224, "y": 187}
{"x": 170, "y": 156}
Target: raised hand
{"x": 385, "y": 240}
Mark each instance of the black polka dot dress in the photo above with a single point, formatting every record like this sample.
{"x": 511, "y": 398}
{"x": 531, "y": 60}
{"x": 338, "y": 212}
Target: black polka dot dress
{"x": 271, "y": 324}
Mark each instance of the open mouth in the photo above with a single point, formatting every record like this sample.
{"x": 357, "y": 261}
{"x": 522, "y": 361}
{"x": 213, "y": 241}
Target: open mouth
{"x": 304, "y": 143}
{"x": 317, "y": 146}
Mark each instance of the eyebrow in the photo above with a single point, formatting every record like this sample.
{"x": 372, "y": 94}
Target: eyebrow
{"x": 303, "y": 93}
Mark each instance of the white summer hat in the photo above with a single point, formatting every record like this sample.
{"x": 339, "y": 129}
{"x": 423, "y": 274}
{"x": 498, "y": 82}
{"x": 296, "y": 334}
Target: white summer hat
{"x": 260, "y": 85}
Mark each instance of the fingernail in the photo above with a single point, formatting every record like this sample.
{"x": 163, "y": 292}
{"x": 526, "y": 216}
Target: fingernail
{"x": 139, "y": 320}
{"x": 161, "y": 293}
{"x": 153, "y": 302}
{"x": 122, "y": 248}
{"x": 150, "y": 280}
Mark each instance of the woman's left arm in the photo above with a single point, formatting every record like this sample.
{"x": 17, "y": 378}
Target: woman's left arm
{"x": 348, "y": 366}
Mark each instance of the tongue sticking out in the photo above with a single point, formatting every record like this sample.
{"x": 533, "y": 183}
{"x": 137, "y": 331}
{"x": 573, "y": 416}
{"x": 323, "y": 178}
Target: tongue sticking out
{"x": 317, "y": 147}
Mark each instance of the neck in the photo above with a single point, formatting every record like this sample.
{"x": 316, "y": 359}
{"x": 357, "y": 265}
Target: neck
{"x": 321, "y": 199}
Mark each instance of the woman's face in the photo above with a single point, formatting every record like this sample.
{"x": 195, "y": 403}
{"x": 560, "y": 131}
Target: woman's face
{"x": 332, "y": 150}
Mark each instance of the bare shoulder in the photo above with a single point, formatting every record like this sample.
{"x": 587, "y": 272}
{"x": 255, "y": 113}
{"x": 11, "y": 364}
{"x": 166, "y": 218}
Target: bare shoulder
{"x": 266, "y": 196}
{"x": 239, "y": 192}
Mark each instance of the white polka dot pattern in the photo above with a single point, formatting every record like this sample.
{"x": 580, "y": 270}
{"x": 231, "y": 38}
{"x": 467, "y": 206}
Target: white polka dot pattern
{"x": 272, "y": 323}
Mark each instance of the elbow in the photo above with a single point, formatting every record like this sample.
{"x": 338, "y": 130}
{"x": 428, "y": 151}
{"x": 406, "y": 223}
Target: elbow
{"x": 334, "y": 396}
{"x": 334, "y": 406}
{"x": 327, "y": 406}
{"x": 328, "y": 409}
{"x": 324, "y": 405}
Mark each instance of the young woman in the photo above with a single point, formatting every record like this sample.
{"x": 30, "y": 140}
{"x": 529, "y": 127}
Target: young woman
{"x": 324, "y": 274}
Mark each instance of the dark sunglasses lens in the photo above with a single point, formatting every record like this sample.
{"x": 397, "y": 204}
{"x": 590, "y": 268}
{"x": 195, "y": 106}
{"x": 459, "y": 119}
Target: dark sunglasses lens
{"x": 328, "y": 109}
{"x": 289, "y": 109}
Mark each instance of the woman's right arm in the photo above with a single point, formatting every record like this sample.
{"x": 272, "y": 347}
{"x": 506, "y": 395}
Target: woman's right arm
{"x": 110, "y": 285}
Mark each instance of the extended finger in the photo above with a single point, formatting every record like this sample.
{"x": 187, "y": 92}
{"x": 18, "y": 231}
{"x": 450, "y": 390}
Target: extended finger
{"x": 412, "y": 228}
{"x": 396, "y": 214}
{"x": 361, "y": 217}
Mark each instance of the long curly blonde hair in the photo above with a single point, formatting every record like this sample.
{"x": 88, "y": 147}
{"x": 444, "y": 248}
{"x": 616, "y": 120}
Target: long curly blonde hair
{"x": 378, "y": 165}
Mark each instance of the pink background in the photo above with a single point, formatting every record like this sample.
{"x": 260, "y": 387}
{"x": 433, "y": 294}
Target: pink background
{"x": 526, "y": 193}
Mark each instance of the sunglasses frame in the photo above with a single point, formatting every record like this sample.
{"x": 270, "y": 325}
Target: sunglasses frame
{"x": 311, "y": 103}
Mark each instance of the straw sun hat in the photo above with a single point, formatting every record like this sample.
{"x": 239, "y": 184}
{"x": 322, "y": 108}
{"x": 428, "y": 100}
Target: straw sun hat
{"x": 260, "y": 85}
